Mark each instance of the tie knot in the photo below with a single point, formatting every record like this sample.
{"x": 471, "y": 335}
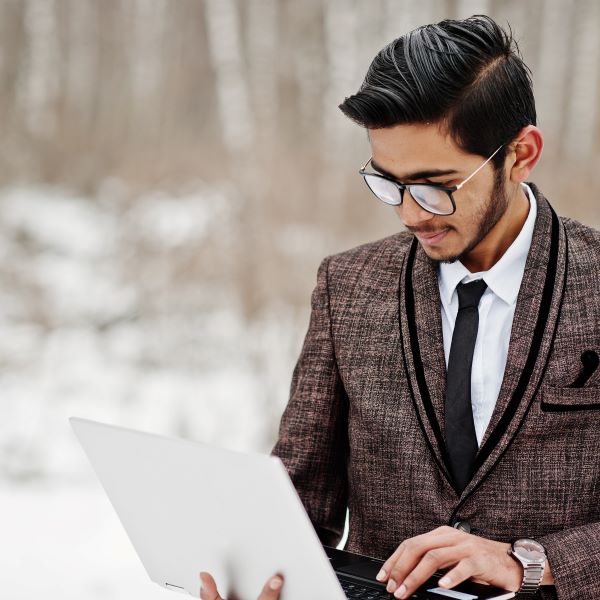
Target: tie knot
{"x": 470, "y": 293}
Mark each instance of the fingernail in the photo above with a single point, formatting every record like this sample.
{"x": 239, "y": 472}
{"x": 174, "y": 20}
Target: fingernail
{"x": 444, "y": 581}
{"x": 400, "y": 592}
{"x": 391, "y": 586}
{"x": 275, "y": 584}
{"x": 381, "y": 575}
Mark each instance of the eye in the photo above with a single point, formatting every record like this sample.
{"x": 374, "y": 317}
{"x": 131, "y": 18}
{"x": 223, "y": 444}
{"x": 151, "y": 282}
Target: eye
{"x": 434, "y": 182}
{"x": 447, "y": 182}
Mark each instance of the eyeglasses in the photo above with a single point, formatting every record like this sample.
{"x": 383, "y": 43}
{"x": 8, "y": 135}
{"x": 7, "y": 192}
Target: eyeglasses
{"x": 432, "y": 197}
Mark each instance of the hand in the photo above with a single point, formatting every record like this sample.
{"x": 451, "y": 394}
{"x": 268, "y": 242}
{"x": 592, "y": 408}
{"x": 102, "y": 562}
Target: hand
{"x": 270, "y": 591}
{"x": 472, "y": 557}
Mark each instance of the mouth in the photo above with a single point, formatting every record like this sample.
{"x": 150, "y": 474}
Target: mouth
{"x": 431, "y": 238}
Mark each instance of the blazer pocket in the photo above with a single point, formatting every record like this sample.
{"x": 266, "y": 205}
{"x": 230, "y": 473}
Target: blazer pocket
{"x": 555, "y": 399}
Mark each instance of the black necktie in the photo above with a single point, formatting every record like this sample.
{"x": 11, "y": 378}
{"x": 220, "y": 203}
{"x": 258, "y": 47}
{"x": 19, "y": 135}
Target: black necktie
{"x": 461, "y": 441}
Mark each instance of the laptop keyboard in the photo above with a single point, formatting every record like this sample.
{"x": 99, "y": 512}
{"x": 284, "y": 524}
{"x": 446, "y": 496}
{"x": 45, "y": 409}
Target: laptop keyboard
{"x": 364, "y": 592}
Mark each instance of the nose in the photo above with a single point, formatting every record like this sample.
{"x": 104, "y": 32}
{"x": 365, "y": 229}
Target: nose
{"x": 411, "y": 213}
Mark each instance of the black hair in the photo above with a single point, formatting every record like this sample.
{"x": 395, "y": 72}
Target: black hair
{"x": 467, "y": 75}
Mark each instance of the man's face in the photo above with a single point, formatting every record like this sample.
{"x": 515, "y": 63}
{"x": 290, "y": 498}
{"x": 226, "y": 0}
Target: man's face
{"x": 412, "y": 154}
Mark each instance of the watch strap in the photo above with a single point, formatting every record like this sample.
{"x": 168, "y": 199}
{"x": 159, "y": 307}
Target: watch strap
{"x": 533, "y": 573}
{"x": 532, "y": 578}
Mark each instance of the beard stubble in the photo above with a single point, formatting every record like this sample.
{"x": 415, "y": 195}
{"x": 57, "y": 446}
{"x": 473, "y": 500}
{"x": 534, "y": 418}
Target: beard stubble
{"x": 491, "y": 213}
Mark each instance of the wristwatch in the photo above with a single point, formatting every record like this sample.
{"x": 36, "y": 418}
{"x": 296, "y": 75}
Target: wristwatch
{"x": 532, "y": 556}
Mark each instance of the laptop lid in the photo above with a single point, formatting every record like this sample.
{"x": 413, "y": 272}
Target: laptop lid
{"x": 188, "y": 507}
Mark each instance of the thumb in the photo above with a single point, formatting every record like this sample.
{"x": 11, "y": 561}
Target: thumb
{"x": 272, "y": 588}
{"x": 208, "y": 591}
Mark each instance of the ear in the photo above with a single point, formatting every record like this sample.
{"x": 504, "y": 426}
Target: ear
{"x": 526, "y": 149}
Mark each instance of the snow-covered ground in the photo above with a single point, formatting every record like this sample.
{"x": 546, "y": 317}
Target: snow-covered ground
{"x": 104, "y": 314}
{"x": 65, "y": 541}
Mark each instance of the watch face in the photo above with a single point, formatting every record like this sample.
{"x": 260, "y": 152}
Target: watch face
{"x": 530, "y": 550}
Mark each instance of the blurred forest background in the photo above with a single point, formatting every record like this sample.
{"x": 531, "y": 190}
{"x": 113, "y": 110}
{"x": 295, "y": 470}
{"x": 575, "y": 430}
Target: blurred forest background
{"x": 171, "y": 174}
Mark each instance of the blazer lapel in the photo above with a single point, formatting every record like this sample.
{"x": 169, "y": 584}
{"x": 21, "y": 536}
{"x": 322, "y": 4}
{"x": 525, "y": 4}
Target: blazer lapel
{"x": 534, "y": 325}
{"x": 423, "y": 347}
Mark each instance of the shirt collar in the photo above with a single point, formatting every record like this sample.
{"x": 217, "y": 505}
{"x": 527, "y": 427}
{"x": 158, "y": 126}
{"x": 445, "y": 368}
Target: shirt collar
{"x": 504, "y": 278}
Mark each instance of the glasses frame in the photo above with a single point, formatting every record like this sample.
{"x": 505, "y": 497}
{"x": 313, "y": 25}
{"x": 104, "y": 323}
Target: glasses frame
{"x": 438, "y": 186}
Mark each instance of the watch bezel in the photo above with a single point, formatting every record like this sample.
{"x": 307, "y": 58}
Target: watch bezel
{"x": 533, "y": 561}
{"x": 522, "y": 548}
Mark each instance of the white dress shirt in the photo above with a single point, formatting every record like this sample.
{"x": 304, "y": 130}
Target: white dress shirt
{"x": 496, "y": 312}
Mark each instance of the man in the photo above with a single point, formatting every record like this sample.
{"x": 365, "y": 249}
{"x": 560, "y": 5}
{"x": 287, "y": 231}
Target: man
{"x": 447, "y": 392}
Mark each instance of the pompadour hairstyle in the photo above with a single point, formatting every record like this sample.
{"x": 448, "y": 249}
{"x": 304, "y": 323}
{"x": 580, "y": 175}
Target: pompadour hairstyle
{"x": 466, "y": 75}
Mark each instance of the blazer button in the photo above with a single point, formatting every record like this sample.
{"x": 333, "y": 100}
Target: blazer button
{"x": 463, "y": 526}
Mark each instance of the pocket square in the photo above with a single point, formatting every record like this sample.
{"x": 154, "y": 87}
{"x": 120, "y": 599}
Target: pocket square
{"x": 590, "y": 361}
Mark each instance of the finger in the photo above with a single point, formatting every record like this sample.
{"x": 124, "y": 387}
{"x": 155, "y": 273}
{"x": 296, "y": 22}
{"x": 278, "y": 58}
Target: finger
{"x": 431, "y": 561}
{"x": 414, "y": 551}
{"x": 384, "y": 572}
{"x": 272, "y": 588}
{"x": 208, "y": 591}
{"x": 424, "y": 542}
{"x": 461, "y": 572}
{"x": 388, "y": 565}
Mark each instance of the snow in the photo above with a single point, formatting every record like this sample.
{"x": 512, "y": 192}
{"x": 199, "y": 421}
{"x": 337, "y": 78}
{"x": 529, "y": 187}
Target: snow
{"x": 66, "y": 542}
{"x": 96, "y": 321}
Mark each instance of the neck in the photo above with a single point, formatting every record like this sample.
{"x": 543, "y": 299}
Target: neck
{"x": 499, "y": 238}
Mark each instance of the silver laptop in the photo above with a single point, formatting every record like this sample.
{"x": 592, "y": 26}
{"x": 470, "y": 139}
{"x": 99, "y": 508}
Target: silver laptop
{"x": 189, "y": 507}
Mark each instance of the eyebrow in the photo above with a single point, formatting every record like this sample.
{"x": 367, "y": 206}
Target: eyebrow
{"x": 417, "y": 175}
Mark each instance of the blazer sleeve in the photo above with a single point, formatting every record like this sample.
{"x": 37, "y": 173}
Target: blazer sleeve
{"x": 574, "y": 556}
{"x": 313, "y": 433}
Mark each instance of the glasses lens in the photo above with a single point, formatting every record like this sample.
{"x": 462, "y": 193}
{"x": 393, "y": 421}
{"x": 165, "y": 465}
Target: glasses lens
{"x": 385, "y": 190}
{"x": 431, "y": 199}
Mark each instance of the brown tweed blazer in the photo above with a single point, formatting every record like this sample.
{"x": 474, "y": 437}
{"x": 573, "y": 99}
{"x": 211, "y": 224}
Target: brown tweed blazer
{"x": 364, "y": 426}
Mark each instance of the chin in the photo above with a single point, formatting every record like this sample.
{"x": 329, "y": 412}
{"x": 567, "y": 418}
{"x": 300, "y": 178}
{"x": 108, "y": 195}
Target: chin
{"x": 441, "y": 255}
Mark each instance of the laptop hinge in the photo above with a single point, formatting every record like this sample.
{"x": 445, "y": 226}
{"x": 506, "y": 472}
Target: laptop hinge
{"x": 176, "y": 588}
